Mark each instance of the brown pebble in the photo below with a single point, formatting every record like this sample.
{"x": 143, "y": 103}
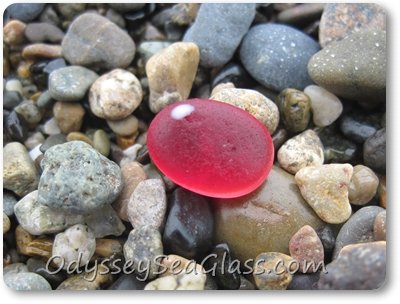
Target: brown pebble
{"x": 107, "y": 247}
{"x": 42, "y": 50}
{"x": 13, "y": 32}
{"x": 23, "y": 69}
{"x": 69, "y": 116}
{"x": 41, "y": 247}
{"x": 79, "y": 136}
{"x": 22, "y": 239}
{"x": 380, "y": 226}
{"x": 125, "y": 142}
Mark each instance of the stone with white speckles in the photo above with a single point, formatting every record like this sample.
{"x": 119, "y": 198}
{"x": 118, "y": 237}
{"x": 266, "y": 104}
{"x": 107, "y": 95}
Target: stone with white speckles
{"x": 277, "y": 55}
{"x": 353, "y": 68}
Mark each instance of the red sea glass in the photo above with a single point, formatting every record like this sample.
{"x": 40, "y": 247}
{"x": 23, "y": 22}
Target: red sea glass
{"x": 211, "y": 148}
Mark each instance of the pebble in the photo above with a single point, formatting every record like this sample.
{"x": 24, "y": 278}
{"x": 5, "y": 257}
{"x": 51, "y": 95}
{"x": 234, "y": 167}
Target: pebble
{"x": 25, "y": 11}
{"x": 115, "y": 95}
{"x": 277, "y": 55}
{"x": 189, "y": 281}
{"x": 41, "y": 50}
{"x": 127, "y": 282}
{"x": 219, "y": 29}
{"x": 301, "y": 151}
{"x": 6, "y": 223}
{"x": 307, "y": 249}
{"x": 104, "y": 222}
{"x": 78, "y": 179}
{"x": 148, "y": 204}
{"x": 174, "y": 264}
{"x": 380, "y": 226}
{"x": 358, "y": 127}
{"x": 16, "y": 126}
{"x": 233, "y": 73}
{"x": 14, "y": 85}
{"x": 101, "y": 142}
{"x": 38, "y": 266}
{"x": 70, "y": 10}
{"x": 34, "y": 140}
{"x": 70, "y": 83}
{"x": 43, "y": 32}
{"x": 93, "y": 40}
{"x": 35, "y": 153}
{"x": 22, "y": 240}
{"x": 171, "y": 73}
{"x": 189, "y": 226}
{"x": 325, "y": 189}
{"x": 266, "y": 274}
{"x": 359, "y": 266}
{"x": 77, "y": 244}
{"x": 358, "y": 229}
{"x": 108, "y": 247}
{"x": 19, "y": 171}
{"x": 341, "y": 19}
{"x": 252, "y": 102}
{"x": 30, "y": 112}
{"x": 263, "y": 220}
{"x": 149, "y": 48}
{"x": 116, "y": 18}
{"x": 143, "y": 247}
{"x": 26, "y": 281}
{"x": 95, "y": 279}
{"x": 132, "y": 174}
{"x": 304, "y": 281}
{"x": 374, "y": 151}
{"x": 73, "y": 136}
{"x": 295, "y": 109}
{"x": 11, "y": 99}
{"x": 353, "y": 75}
{"x": 45, "y": 100}
{"x": 40, "y": 247}
{"x": 325, "y": 106}
{"x": 124, "y": 127}
{"x": 363, "y": 185}
{"x": 328, "y": 238}
{"x": 9, "y": 202}
{"x": 13, "y": 32}
{"x": 53, "y": 140}
{"x": 69, "y": 116}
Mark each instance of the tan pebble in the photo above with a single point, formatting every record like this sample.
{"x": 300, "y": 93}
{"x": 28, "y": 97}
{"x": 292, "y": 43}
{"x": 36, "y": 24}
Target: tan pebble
{"x": 79, "y": 136}
{"x": 35, "y": 96}
{"x": 42, "y": 50}
{"x": 14, "y": 32}
{"x": 107, "y": 247}
{"x": 69, "y": 116}
{"x": 22, "y": 239}
{"x": 125, "y": 142}
{"x": 222, "y": 86}
{"x": 23, "y": 69}
{"x": 124, "y": 127}
{"x": 41, "y": 247}
{"x": 363, "y": 185}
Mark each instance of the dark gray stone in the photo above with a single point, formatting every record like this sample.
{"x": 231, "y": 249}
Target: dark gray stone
{"x": 43, "y": 32}
{"x": 304, "y": 281}
{"x": 375, "y": 151}
{"x": 277, "y": 55}
{"x": 218, "y": 30}
{"x": 25, "y": 11}
{"x": 11, "y": 99}
{"x": 358, "y": 127}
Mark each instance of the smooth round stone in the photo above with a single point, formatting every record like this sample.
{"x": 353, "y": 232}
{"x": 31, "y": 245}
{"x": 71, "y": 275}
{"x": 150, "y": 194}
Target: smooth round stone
{"x": 277, "y": 55}
{"x": 219, "y": 29}
{"x": 70, "y": 83}
{"x": 69, "y": 116}
{"x": 115, "y": 95}
{"x": 171, "y": 73}
{"x": 326, "y": 107}
{"x": 148, "y": 204}
{"x": 307, "y": 249}
{"x": 380, "y": 226}
{"x": 38, "y": 266}
{"x": 341, "y": 19}
{"x": 116, "y": 18}
{"x": 142, "y": 247}
{"x": 54, "y": 65}
{"x": 43, "y": 32}
{"x": 14, "y": 85}
{"x": 353, "y": 75}
{"x": 374, "y": 151}
{"x": 325, "y": 189}
{"x": 13, "y": 32}
{"x": 73, "y": 136}
{"x": 301, "y": 151}
{"x": 252, "y": 102}
{"x": 183, "y": 281}
{"x": 265, "y": 275}
{"x": 189, "y": 226}
{"x": 16, "y": 126}
{"x": 19, "y": 171}
{"x": 185, "y": 143}
{"x": 358, "y": 229}
{"x": 359, "y": 266}
{"x": 363, "y": 185}
{"x": 104, "y": 222}
{"x": 25, "y": 11}
{"x": 41, "y": 50}
{"x": 124, "y": 127}
{"x": 359, "y": 127}
{"x": 101, "y": 142}
{"x": 328, "y": 238}
{"x": 76, "y": 241}
{"x": 127, "y": 282}
{"x": 53, "y": 140}
{"x": 295, "y": 108}
{"x": 78, "y": 179}
{"x": 45, "y": 100}
{"x": 11, "y": 99}
{"x": 26, "y": 281}
{"x": 264, "y": 220}
{"x": 9, "y": 202}
{"x": 93, "y": 40}
{"x": 6, "y": 223}
{"x": 304, "y": 281}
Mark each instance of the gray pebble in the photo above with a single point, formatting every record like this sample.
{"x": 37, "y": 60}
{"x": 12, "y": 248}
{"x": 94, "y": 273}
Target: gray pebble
{"x": 9, "y": 202}
{"x": 11, "y": 99}
{"x": 25, "y": 11}
{"x": 375, "y": 151}
{"x": 45, "y": 100}
{"x": 358, "y": 127}
{"x": 43, "y": 32}
{"x": 53, "y": 140}
{"x": 30, "y": 112}
{"x": 26, "y": 281}
{"x": 104, "y": 222}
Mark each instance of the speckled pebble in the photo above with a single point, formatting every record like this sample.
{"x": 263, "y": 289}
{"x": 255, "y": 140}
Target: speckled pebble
{"x": 26, "y": 281}
{"x": 363, "y": 185}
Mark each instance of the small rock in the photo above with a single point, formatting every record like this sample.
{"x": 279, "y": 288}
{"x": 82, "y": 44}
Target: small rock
{"x": 380, "y": 226}
{"x": 93, "y": 40}
{"x": 70, "y": 83}
{"x": 148, "y": 204}
{"x": 97, "y": 278}
{"x": 53, "y": 140}
{"x": 306, "y": 248}
{"x": 179, "y": 62}
{"x": 11, "y": 99}
{"x": 39, "y": 267}
{"x": 22, "y": 240}
{"x": 246, "y": 284}
{"x": 16, "y": 126}
{"x": 73, "y": 136}
{"x": 325, "y": 106}
{"x": 30, "y": 112}
{"x": 13, "y": 32}
{"x": 43, "y": 32}
{"x": 132, "y": 174}
{"x": 325, "y": 189}
{"x": 328, "y": 239}
{"x": 69, "y": 116}
{"x": 9, "y": 202}
{"x": 41, "y": 50}
{"x": 116, "y": 18}
{"x": 301, "y": 151}
{"x": 149, "y": 48}
{"x": 6, "y": 223}
{"x": 219, "y": 29}
{"x": 277, "y": 55}
{"x": 45, "y": 100}
{"x": 26, "y": 281}
{"x": 360, "y": 266}
{"x": 189, "y": 281}
{"x": 124, "y": 127}
{"x": 144, "y": 246}
{"x": 34, "y": 140}
{"x": 115, "y": 95}
{"x": 382, "y": 191}
{"x": 358, "y": 75}
{"x": 233, "y": 73}
{"x": 78, "y": 179}
{"x": 127, "y": 282}
{"x": 108, "y": 247}
{"x": 358, "y": 229}
{"x": 375, "y": 151}
{"x": 104, "y": 222}
{"x": 358, "y": 127}
{"x": 70, "y": 10}
{"x": 341, "y": 19}
{"x": 25, "y": 11}
{"x": 19, "y": 171}
{"x": 265, "y": 272}
{"x": 101, "y": 142}
{"x": 252, "y": 102}
{"x": 175, "y": 265}
{"x": 295, "y": 108}
{"x": 189, "y": 226}
{"x": 363, "y": 185}
{"x": 304, "y": 281}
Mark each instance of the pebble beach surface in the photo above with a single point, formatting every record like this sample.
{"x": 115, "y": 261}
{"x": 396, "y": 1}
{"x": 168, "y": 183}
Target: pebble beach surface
{"x": 82, "y": 83}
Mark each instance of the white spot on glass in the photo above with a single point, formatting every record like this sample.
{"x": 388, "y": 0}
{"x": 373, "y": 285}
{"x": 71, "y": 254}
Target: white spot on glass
{"x": 182, "y": 111}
